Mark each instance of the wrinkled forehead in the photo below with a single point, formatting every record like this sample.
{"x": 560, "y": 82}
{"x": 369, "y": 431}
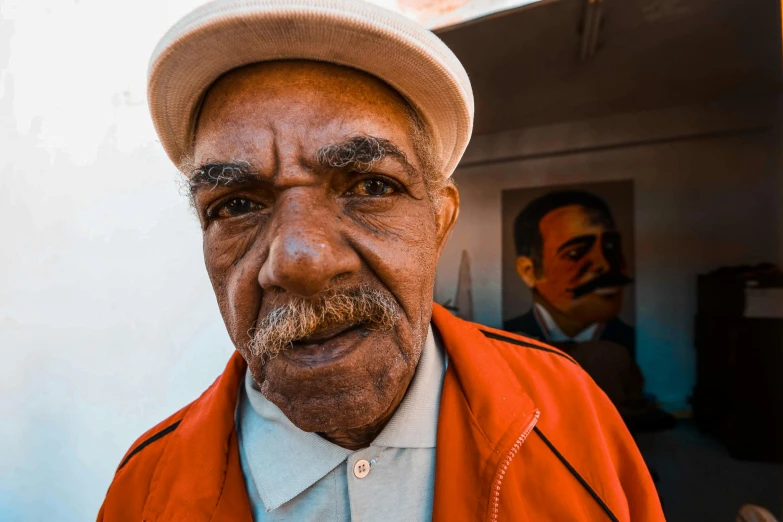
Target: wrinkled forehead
{"x": 564, "y": 223}
{"x": 301, "y": 95}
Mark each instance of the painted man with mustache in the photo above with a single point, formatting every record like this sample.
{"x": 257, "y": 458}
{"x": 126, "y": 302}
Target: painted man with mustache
{"x": 569, "y": 254}
{"x": 317, "y": 139}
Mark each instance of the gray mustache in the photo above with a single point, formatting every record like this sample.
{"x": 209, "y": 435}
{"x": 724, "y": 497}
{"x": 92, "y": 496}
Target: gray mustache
{"x": 298, "y": 318}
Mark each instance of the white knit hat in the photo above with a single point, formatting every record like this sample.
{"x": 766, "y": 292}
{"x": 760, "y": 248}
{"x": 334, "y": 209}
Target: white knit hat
{"x": 225, "y": 34}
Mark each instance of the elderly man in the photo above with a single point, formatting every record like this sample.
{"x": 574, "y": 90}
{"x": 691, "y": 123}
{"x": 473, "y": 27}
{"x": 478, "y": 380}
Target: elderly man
{"x": 318, "y": 138}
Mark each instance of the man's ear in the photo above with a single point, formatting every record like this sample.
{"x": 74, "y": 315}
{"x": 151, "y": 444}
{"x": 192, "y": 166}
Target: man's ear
{"x": 527, "y": 271}
{"x": 446, "y": 213}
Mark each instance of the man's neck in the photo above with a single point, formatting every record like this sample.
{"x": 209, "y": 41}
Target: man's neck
{"x": 567, "y": 325}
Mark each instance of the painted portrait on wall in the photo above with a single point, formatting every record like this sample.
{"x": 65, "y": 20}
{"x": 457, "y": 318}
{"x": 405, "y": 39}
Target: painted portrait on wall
{"x": 568, "y": 263}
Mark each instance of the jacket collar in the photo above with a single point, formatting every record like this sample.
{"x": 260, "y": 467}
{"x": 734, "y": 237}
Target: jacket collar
{"x": 201, "y": 460}
{"x": 492, "y": 390}
{"x": 482, "y": 412}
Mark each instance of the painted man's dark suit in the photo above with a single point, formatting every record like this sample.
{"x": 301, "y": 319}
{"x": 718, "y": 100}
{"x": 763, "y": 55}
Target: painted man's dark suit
{"x": 615, "y": 331}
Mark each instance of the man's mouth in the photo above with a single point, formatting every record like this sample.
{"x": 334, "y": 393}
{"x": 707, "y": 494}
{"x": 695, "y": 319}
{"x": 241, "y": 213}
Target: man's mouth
{"x": 324, "y": 334}
{"x": 327, "y": 344}
{"x": 607, "y": 284}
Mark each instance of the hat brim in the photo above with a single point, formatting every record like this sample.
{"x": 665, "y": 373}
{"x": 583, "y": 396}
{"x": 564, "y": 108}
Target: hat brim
{"x": 223, "y": 35}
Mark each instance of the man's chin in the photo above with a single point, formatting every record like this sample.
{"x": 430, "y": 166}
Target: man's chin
{"x": 316, "y": 417}
{"x": 345, "y": 382}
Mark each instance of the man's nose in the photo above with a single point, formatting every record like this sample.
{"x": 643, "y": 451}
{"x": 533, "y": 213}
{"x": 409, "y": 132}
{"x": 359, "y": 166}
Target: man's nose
{"x": 600, "y": 263}
{"x": 307, "y": 254}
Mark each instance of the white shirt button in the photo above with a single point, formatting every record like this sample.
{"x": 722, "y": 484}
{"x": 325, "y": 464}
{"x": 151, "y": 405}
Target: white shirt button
{"x": 361, "y": 469}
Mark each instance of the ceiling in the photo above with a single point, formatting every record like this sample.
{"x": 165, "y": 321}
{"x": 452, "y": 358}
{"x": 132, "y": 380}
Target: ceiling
{"x": 525, "y": 67}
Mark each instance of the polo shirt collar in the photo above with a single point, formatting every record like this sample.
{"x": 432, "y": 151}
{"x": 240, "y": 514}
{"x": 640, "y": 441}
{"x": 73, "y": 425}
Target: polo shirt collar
{"x": 284, "y": 460}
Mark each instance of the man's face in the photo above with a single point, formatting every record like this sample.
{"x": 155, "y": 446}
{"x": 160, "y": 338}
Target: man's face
{"x": 582, "y": 264}
{"x": 290, "y": 223}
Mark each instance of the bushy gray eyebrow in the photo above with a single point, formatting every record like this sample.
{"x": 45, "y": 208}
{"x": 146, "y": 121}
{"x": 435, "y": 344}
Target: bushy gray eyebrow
{"x": 360, "y": 153}
{"x": 213, "y": 175}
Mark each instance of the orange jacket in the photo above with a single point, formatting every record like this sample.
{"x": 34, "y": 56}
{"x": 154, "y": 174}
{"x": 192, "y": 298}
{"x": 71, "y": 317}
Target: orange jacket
{"x": 523, "y": 434}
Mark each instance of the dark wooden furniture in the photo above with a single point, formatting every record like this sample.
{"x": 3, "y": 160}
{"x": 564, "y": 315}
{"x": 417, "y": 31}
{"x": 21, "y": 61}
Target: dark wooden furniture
{"x": 739, "y": 369}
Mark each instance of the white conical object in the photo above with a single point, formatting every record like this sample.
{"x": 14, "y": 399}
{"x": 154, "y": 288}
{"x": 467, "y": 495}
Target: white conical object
{"x": 464, "y": 300}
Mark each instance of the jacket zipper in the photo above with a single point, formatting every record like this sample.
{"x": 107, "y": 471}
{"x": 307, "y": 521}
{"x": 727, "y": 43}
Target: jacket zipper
{"x": 504, "y": 467}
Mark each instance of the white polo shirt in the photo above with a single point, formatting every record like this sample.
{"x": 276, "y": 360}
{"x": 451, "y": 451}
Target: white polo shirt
{"x": 295, "y": 475}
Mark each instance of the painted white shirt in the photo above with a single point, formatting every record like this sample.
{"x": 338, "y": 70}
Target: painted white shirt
{"x": 553, "y": 333}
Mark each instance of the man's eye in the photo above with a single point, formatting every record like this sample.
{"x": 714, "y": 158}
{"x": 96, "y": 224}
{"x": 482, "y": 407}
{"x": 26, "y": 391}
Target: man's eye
{"x": 575, "y": 254}
{"x": 372, "y": 187}
{"x": 234, "y": 207}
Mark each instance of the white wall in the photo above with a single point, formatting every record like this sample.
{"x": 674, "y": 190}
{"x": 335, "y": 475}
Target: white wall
{"x": 107, "y": 320}
{"x": 705, "y": 196}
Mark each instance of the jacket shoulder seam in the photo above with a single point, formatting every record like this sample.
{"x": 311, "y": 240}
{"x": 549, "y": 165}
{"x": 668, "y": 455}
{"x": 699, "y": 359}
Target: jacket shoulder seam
{"x": 518, "y": 342}
{"x": 149, "y": 440}
{"x": 576, "y": 475}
